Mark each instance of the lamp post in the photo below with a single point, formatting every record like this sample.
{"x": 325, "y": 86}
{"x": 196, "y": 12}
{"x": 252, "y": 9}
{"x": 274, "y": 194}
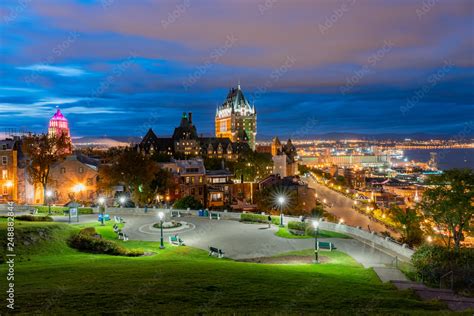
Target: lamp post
{"x": 102, "y": 210}
{"x": 316, "y": 245}
{"x": 281, "y": 202}
{"x": 161, "y": 215}
{"x": 122, "y": 200}
{"x": 49, "y": 194}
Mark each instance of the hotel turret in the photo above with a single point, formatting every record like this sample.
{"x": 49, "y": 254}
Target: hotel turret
{"x": 236, "y": 119}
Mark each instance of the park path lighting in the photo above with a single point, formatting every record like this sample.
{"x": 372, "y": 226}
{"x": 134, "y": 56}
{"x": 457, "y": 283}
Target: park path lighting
{"x": 281, "y": 201}
{"x": 122, "y": 200}
{"x": 49, "y": 194}
{"x": 78, "y": 188}
{"x": 102, "y": 209}
{"x": 161, "y": 215}
{"x": 341, "y": 221}
{"x": 316, "y": 245}
{"x": 429, "y": 239}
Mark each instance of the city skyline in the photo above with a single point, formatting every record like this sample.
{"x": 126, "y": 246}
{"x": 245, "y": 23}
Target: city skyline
{"x": 118, "y": 77}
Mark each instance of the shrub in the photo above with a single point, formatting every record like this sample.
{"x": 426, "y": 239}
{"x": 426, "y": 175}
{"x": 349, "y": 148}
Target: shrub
{"x": 257, "y": 218}
{"x": 44, "y": 209}
{"x": 187, "y": 202}
{"x": 432, "y": 262}
{"x": 297, "y": 226}
{"x": 87, "y": 241}
{"x": 31, "y": 218}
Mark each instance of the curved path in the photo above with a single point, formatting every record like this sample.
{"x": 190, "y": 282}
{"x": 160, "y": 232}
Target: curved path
{"x": 243, "y": 241}
{"x": 341, "y": 206}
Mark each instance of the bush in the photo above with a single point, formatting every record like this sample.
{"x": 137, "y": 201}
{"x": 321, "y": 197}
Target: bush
{"x": 44, "y": 209}
{"x": 297, "y": 226}
{"x": 87, "y": 240}
{"x": 31, "y": 218}
{"x": 432, "y": 262}
{"x": 256, "y": 218}
{"x": 187, "y": 202}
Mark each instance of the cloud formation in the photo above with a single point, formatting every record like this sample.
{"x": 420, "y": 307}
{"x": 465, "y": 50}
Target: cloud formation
{"x": 354, "y": 64}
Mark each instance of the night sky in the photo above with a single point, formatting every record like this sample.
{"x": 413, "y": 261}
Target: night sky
{"x": 310, "y": 67}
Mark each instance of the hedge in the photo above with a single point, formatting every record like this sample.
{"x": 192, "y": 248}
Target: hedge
{"x": 31, "y": 218}
{"x": 61, "y": 209}
{"x": 258, "y": 218}
{"x": 297, "y": 225}
{"x": 87, "y": 240}
{"x": 432, "y": 261}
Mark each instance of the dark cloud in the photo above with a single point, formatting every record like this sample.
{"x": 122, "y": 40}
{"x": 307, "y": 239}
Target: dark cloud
{"x": 355, "y": 66}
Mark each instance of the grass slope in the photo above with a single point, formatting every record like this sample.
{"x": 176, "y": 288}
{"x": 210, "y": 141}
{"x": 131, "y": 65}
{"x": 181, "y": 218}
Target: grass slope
{"x": 51, "y": 278}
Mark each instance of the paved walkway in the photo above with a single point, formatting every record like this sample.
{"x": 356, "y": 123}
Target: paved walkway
{"x": 341, "y": 206}
{"x": 244, "y": 241}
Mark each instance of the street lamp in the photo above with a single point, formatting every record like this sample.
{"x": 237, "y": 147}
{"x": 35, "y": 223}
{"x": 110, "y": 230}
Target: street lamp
{"x": 78, "y": 188}
{"x": 161, "y": 215}
{"x": 102, "y": 209}
{"x": 122, "y": 200}
{"x": 316, "y": 245}
{"x": 341, "y": 221}
{"x": 49, "y": 194}
{"x": 281, "y": 201}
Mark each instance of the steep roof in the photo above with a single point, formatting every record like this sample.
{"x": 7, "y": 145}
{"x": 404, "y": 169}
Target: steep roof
{"x": 235, "y": 102}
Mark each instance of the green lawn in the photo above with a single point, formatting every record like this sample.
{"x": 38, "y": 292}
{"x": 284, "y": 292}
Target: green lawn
{"x": 285, "y": 233}
{"x": 52, "y": 278}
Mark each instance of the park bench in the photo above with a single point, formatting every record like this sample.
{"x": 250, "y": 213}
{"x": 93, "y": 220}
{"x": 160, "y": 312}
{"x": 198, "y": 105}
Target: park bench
{"x": 216, "y": 251}
{"x": 122, "y": 236}
{"x": 106, "y": 217}
{"x": 118, "y": 219}
{"x": 215, "y": 216}
{"x": 116, "y": 229}
{"x": 33, "y": 211}
{"x": 176, "y": 240}
{"x": 175, "y": 214}
{"x": 326, "y": 245}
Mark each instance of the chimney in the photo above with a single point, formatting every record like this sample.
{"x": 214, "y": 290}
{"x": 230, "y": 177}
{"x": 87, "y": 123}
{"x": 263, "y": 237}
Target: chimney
{"x": 190, "y": 118}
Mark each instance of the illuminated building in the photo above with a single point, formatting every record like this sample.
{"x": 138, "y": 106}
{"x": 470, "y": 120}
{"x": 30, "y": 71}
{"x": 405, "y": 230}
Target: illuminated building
{"x": 58, "y": 125}
{"x": 186, "y": 142}
{"x": 236, "y": 119}
{"x": 74, "y": 178}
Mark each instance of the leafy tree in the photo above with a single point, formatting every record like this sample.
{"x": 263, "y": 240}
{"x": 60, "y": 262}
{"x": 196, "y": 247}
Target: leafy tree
{"x": 253, "y": 166}
{"x": 163, "y": 182}
{"x": 408, "y": 222}
{"x": 449, "y": 203}
{"x": 133, "y": 170}
{"x": 187, "y": 202}
{"x": 42, "y": 152}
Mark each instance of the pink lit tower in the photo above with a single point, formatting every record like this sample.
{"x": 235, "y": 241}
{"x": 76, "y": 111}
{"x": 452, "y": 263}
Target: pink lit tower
{"x": 58, "y": 125}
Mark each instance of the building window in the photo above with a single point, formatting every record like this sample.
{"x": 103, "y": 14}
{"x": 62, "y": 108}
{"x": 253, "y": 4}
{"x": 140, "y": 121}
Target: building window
{"x": 81, "y": 170}
{"x": 63, "y": 170}
{"x": 4, "y": 174}
{"x": 4, "y": 160}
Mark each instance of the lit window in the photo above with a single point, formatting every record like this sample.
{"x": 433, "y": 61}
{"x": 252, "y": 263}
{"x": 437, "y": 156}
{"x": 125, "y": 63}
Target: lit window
{"x": 4, "y": 174}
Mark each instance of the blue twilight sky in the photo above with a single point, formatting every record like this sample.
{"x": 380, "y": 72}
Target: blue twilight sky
{"x": 310, "y": 67}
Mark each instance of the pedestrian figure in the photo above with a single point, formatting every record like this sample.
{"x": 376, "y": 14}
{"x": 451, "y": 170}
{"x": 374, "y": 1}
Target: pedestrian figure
{"x": 269, "y": 221}
{"x": 146, "y": 208}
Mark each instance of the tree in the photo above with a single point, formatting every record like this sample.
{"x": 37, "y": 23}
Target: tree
{"x": 252, "y": 166}
{"x": 408, "y": 222}
{"x": 42, "y": 152}
{"x": 134, "y": 171}
{"x": 163, "y": 182}
{"x": 449, "y": 203}
{"x": 187, "y": 202}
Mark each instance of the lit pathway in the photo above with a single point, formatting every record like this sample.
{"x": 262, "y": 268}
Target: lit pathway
{"x": 341, "y": 206}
